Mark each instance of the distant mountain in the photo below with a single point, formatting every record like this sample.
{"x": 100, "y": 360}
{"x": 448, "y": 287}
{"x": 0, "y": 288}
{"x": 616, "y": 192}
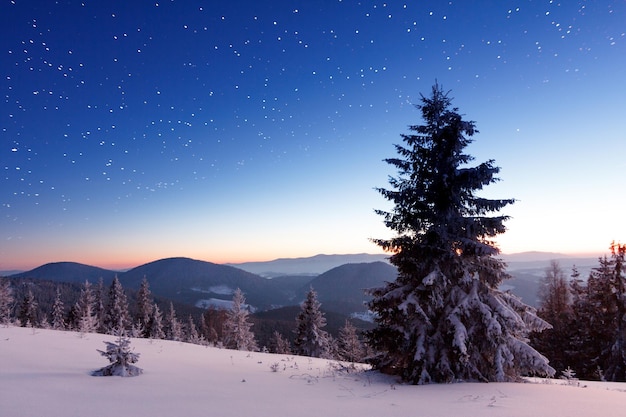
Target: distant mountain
{"x": 194, "y": 282}
{"x": 526, "y": 276}
{"x": 532, "y": 256}
{"x": 10, "y": 272}
{"x": 179, "y": 279}
{"x": 68, "y": 272}
{"x": 338, "y": 279}
{"x": 313, "y": 265}
{"x": 289, "y": 286}
{"x": 342, "y": 289}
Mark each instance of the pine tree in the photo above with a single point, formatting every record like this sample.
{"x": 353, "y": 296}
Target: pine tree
{"x": 28, "y": 310}
{"x": 607, "y": 315}
{"x": 204, "y": 328}
{"x": 214, "y": 320}
{"x": 6, "y": 302}
{"x": 117, "y": 319}
{"x": 87, "y": 322}
{"x": 155, "y": 325}
{"x": 174, "y": 329}
{"x": 99, "y": 306}
{"x": 237, "y": 333}
{"x": 279, "y": 344}
{"x": 73, "y": 317}
{"x": 443, "y": 318}
{"x": 555, "y": 308}
{"x": 144, "y": 305}
{"x": 58, "y": 312}
{"x": 121, "y": 358}
{"x": 191, "y": 332}
{"x": 311, "y": 339}
{"x": 616, "y": 361}
{"x": 579, "y": 345}
{"x": 351, "y": 348}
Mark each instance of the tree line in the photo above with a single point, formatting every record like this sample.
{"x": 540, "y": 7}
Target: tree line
{"x": 588, "y": 318}
{"x": 106, "y": 310}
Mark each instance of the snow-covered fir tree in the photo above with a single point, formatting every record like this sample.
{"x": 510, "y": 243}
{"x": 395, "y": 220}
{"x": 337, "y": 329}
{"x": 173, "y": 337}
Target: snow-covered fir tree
{"x": 203, "y": 328}
{"x": 237, "y": 328}
{"x": 191, "y": 332}
{"x": 6, "y": 302}
{"x": 173, "y": 327}
{"x": 121, "y": 358}
{"x": 279, "y": 344}
{"x": 350, "y": 346}
{"x": 87, "y": 321}
{"x": 28, "y": 310}
{"x": 117, "y": 318}
{"x": 155, "y": 325}
{"x": 144, "y": 305}
{"x": 99, "y": 305}
{"x": 58, "y": 312}
{"x": 311, "y": 339}
{"x": 444, "y": 319}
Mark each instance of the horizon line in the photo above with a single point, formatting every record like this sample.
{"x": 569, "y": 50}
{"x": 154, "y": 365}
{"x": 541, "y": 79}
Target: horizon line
{"x": 116, "y": 267}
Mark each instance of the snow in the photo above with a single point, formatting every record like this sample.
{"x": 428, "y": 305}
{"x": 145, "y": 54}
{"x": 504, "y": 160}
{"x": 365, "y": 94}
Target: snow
{"x": 214, "y": 302}
{"x": 47, "y": 373}
{"x": 221, "y": 304}
{"x": 216, "y": 289}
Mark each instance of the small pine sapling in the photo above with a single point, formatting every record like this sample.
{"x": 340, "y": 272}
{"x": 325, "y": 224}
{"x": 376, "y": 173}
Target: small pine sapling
{"x": 569, "y": 375}
{"x": 121, "y": 357}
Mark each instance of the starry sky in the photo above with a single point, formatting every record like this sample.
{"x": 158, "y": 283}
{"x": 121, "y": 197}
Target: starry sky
{"x": 233, "y": 131}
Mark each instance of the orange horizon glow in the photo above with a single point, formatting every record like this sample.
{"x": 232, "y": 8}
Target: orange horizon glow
{"x": 126, "y": 263}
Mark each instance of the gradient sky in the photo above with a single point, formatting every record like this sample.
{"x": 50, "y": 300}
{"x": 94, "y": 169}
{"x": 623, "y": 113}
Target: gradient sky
{"x": 234, "y": 131}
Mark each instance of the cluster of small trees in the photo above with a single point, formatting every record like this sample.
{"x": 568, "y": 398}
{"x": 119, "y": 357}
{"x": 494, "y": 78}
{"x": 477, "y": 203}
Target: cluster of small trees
{"x": 310, "y": 337}
{"x": 313, "y": 340}
{"x": 102, "y": 311}
{"x": 588, "y": 333}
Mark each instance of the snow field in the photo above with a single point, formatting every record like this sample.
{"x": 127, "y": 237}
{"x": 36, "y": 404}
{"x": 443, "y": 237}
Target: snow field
{"x": 47, "y": 373}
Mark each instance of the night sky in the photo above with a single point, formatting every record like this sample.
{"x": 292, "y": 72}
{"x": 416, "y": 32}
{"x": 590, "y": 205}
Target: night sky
{"x": 233, "y": 131}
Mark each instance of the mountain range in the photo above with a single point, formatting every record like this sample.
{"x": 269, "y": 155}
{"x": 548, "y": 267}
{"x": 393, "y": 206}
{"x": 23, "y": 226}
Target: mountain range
{"x": 340, "y": 280}
{"x": 202, "y": 283}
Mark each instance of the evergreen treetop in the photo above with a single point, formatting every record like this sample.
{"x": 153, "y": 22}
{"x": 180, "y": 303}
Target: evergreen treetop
{"x": 435, "y": 193}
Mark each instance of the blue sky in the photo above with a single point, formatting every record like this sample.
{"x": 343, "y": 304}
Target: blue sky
{"x": 246, "y": 130}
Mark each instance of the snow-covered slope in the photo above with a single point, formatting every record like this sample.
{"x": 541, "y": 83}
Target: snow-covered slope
{"x": 47, "y": 373}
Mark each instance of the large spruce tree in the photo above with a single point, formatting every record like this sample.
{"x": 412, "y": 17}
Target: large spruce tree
{"x": 443, "y": 319}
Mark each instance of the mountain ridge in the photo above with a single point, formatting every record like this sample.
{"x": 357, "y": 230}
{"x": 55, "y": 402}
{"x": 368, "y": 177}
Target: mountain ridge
{"x": 203, "y": 283}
